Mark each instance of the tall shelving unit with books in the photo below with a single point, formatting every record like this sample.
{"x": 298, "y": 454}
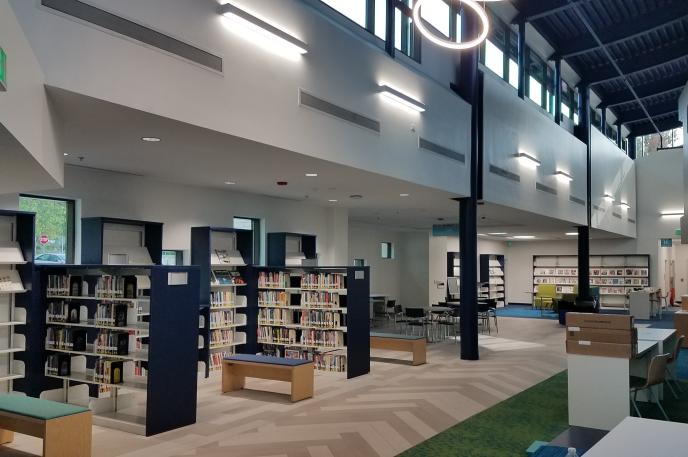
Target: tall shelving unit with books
{"x": 16, "y": 267}
{"x": 453, "y": 276}
{"x": 615, "y": 275}
{"x": 493, "y": 278}
{"x": 98, "y": 353}
{"x": 223, "y": 256}
{"x": 318, "y": 313}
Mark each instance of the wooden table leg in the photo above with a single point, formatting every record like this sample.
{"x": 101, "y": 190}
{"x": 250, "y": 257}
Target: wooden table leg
{"x": 419, "y": 350}
{"x": 68, "y": 436}
{"x": 230, "y": 379}
{"x": 6, "y": 436}
{"x": 302, "y": 380}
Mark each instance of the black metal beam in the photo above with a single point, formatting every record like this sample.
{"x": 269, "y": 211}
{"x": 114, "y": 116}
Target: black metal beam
{"x": 390, "y": 28}
{"x": 652, "y": 89}
{"x": 584, "y": 262}
{"x": 532, "y": 11}
{"x": 636, "y": 27}
{"x": 619, "y": 139}
{"x": 647, "y": 128}
{"x": 557, "y": 91}
{"x": 522, "y": 47}
{"x": 639, "y": 63}
{"x": 638, "y": 114}
{"x": 654, "y": 117}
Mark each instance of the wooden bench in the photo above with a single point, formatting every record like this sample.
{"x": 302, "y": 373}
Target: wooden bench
{"x": 396, "y": 342}
{"x": 65, "y": 429}
{"x": 299, "y": 372}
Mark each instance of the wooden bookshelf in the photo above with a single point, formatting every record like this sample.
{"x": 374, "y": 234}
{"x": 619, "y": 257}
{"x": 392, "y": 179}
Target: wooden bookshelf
{"x": 223, "y": 256}
{"x": 615, "y": 275}
{"x": 317, "y": 313}
{"x": 112, "y": 346}
{"x": 16, "y": 266}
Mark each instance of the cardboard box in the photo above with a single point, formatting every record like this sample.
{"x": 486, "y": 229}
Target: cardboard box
{"x": 602, "y": 335}
{"x": 582, "y": 347}
{"x": 681, "y": 325}
{"x": 605, "y": 321}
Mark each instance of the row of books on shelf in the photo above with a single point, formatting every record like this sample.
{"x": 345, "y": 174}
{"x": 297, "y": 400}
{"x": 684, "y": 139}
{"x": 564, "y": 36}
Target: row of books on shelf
{"x": 603, "y": 290}
{"x": 222, "y": 318}
{"x": 274, "y": 279}
{"x": 548, "y": 271}
{"x": 222, "y": 298}
{"x": 70, "y": 339}
{"x": 624, "y": 281}
{"x": 106, "y": 286}
{"x": 216, "y": 359}
{"x": 315, "y": 318}
{"x": 107, "y": 314}
{"x": 309, "y": 337}
{"x": 283, "y": 280}
{"x": 322, "y": 361}
{"x": 273, "y": 298}
{"x": 223, "y": 337}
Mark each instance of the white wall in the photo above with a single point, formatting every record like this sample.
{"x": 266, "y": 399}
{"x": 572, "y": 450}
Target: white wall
{"x": 257, "y": 85}
{"x": 30, "y": 157}
{"x": 182, "y": 207}
{"x": 414, "y": 269}
{"x": 612, "y": 172}
{"x": 512, "y": 125}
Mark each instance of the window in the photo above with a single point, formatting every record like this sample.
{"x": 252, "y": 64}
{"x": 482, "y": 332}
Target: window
{"x": 172, "y": 257}
{"x": 387, "y": 250}
{"x": 537, "y": 77}
{"x": 359, "y": 262}
{"x": 381, "y": 19}
{"x": 247, "y": 223}
{"x": 437, "y": 14}
{"x": 513, "y": 73}
{"x": 54, "y": 227}
{"x": 647, "y": 144}
{"x": 535, "y": 91}
{"x": 353, "y": 9}
{"x": 494, "y": 58}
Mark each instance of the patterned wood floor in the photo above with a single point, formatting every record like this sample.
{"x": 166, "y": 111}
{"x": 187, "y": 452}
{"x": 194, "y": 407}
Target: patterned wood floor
{"x": 381, "y": 414}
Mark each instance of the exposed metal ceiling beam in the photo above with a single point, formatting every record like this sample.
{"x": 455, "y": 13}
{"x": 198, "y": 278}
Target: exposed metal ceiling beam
{"x": 643, "y": 118}
{"x": 581, "y": 15}
{"x": 538, "y": 10}
{"x": 640, "y": 129}
{"x": 645, "y": 91}
{"x": 649, "y": 61}
{"x": 619, "y": 33}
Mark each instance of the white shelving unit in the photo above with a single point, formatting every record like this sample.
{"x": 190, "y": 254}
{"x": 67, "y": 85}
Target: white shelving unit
{"x": 11, "y": 316}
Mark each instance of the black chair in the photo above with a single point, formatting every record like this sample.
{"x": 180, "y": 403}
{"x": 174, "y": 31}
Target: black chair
{"x": 399, "y": 316}
{"x": 415, "y": 318}
{"x": 487, "y": 309}
{"x": 389, "y": 308}
{"x": 450, "y": 322}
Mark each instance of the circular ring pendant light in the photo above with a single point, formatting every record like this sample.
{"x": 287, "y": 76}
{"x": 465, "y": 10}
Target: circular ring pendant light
{"x": 472, "y": 4}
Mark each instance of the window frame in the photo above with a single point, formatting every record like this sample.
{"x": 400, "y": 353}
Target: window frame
{"x": 258, "y": 241}
{"x": 178, "y": 256}
{"x": 389, "y": 246}
{"x": 70, "y": 249}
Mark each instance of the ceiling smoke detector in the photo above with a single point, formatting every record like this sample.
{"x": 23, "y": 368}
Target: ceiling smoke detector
{"x": 356, "y": 196}
{"x": 282, "y": 183}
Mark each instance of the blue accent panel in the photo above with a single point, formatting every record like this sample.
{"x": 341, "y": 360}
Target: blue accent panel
{"x": 173, "y": 351}
{"x": 357, "y": 321}
{"x": 268, "y": 360}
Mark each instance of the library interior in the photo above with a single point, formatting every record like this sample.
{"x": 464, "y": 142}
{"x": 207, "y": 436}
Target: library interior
{"x": 327, "y": 228}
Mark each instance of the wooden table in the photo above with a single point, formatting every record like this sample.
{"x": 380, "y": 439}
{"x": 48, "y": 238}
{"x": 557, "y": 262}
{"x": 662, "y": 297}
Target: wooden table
{"x": 635, "y": 437}
{"x": 417, "y": 345}
{"x": 298, "y": 372}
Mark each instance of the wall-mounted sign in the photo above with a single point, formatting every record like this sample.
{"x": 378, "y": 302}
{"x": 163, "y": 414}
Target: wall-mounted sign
{"x": 3, "y": 70}
{"x": 445, "y": 230}
{"x": 665, "y": 242}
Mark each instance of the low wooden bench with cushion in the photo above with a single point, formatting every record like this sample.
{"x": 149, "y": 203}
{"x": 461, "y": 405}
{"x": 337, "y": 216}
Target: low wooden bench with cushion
{"x": 299, "y": 372}
{"x": 396, "y": 342}
{"x": 65, "y": 429}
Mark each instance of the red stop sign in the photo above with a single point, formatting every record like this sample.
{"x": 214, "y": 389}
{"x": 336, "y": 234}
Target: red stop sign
{"x": 43, "y": 239}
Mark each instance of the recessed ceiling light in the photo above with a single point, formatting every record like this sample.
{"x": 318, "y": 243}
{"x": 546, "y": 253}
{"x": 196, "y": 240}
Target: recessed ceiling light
{"x": 572, "y": 233}
{"x": 524, "y": 237}
{"x": 151, "y": 139}
{"x": 497, "y": 233}
{"x": 311, "y": 175}
{"x": 332, "y": 200}
{"x": 230, "y": 183}
{"x": 403, "y": 195}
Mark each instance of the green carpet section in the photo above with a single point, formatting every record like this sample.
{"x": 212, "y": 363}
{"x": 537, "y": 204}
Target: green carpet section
{"x": 506, "y": 429}
{"x": 676, "y": 408}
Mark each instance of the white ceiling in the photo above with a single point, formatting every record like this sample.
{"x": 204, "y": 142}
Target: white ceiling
{"x": 103, "y": 135}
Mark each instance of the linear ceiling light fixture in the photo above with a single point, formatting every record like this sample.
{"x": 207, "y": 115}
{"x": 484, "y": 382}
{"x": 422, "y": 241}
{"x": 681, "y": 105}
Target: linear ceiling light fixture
{"x": 401, "y": 98}
{"x": 571, "y": 233}
{"x": 524, "y": 237}
{"x": 457, "y": 45}
{"x": 527, "y": 160}
{"x": 609, "y": 198}
{"x": 262, "y": 33}
{"x": 624, "y": 205}
{"x": 562, "y": 176}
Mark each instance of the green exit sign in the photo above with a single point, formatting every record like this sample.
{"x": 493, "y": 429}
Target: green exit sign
{"x": 3, "y": 70}
{"x": 677, "y": 232}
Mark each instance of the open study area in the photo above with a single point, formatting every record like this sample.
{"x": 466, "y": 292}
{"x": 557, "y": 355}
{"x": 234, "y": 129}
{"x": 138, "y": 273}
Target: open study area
{"x": 323, "y": 228}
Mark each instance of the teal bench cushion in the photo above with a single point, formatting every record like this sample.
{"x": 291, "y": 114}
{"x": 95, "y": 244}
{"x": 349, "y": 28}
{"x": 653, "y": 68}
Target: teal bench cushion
{"x": 36, "y": 407}
{"x": 397, "y": 336}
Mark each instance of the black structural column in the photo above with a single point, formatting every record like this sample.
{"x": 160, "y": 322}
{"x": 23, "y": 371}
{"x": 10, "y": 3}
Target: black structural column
{"x": 390, "y": 29}
{"x": 603, "y": 121}
{"x": 619, "y": 138}
{"x": 631, "y": 147}
{"x": 522, "y": 58}
{"x": 584, "y": 262}
{"x": 468, "y": 88}
{"x": 557, "y": 90}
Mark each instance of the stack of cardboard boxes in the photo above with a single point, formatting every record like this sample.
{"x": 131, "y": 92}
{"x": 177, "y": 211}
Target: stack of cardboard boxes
{"x": 603, "y": 335}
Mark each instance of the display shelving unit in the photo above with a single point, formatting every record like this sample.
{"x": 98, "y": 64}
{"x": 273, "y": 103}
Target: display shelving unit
{"x": 291, "y": 249}
{"x": 223, "y": 256}
{"x": 453, "y": 275}
{"x": 16, "y": 266}
{"x": 615, "y": 275}
{"x": 318, "y": 313}
{"x": 97, "y": 352}
{"x": 492, "y": 275}
{"x": 112, "y": 241}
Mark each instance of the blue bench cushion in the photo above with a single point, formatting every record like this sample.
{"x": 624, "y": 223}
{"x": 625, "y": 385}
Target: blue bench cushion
{"x": 36, "y": 407}
{"x": 397, "y": 336}
{"x": 268, "y": 360}
{"x": 554, "y": 451}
